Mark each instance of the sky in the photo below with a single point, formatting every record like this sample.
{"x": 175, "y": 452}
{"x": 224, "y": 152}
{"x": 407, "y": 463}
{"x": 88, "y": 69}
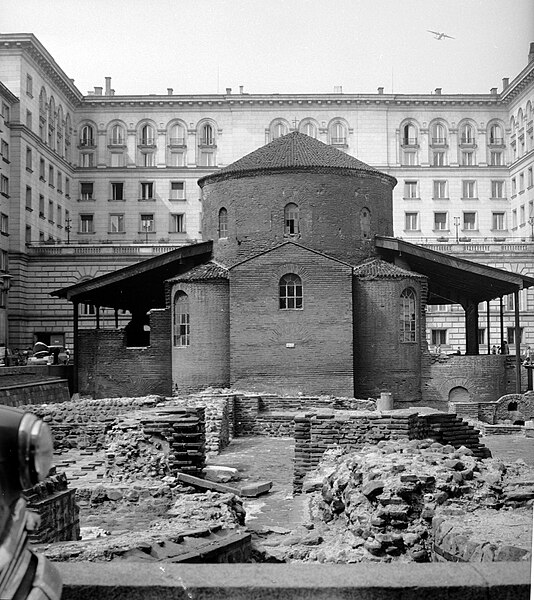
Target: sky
{"x": 280, "y": 46}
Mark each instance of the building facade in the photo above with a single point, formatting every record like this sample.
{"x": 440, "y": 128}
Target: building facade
{"x": 97, "y": 181}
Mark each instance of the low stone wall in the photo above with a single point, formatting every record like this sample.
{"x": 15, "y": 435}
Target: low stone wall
{"x": 57, "y": 510}
{"x": 84, "y": 423}
{"x": 315, "y": 433}
{"x": 40, "y": 392}
{"x": 507, "y": 409}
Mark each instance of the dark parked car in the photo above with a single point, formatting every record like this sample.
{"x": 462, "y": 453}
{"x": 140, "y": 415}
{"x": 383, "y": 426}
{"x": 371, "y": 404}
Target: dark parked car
{"x": 25, "y": 459}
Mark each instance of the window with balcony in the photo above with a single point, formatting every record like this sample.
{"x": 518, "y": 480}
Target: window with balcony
{"x": 410, "y": 189}
{"x": 116, "y": 223}
{"x": 469, "y": 221}
{"x": 440, "y": 189}
{"x": 177, "y": 191}
{"x": 440, "y": 221}
{"x": 147, "y": 190}
{"x": 177, "y": 223}
{"x": 87, "y": 136}
{"x": 223, "y": 223}
{"x": 338, "y": 134}
{"x": 117, "y": 136}
{"x": 498, "y": 221}
{"x": 177, "y": 135}
{"x": 147, "y": 136}
{"x": 411, "y": 221}
{"x": 86, "y": 190}
{"x": 87, "y": 224}
{"x": 467, "y": 135}
{"x": 117, "y": 190}
{"x": 207, "y": 135}
{"x": 147, "y": 223}
{"x": 468, "y": 189}
{"x": 409, "y": 135}
{"x": 496, "y": 135}
{"x": 438, "y": 134}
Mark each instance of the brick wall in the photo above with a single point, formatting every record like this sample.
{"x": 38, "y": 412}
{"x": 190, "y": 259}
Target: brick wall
{"x": 382, "y": 362}
{"x": 205, "y": 362}
{"x": 35, "y": 393}
{"x": 107, "y": 368}
{"x": 256, "y": 204}
{"x": 320, "y": 360}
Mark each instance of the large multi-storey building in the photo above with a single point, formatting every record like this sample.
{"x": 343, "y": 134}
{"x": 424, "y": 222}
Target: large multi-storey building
{"x": 94, "y": 182}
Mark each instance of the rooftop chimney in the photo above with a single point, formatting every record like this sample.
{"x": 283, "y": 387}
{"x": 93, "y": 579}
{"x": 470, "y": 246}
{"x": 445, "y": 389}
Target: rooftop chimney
{"x": 380, "y": 90}
{"x": 98, "y": 91}
{"x": 169, "y": 91}
{"x": 493, "y": 91}
{"x": 111, "y": 92}
{"x": 531, "y": 52}
{"x": 240, "y": 89}
{"x": 108, "y": 86}
{"x": 437, "y": 91}
{"x": 228, "y": 91}
{"x": 505, "y": 82}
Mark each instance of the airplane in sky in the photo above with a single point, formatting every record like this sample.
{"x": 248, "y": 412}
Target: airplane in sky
{"x": 440, "y": 36}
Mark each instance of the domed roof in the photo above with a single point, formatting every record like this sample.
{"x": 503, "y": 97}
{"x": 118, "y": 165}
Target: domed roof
{"x": 292, "y": 152}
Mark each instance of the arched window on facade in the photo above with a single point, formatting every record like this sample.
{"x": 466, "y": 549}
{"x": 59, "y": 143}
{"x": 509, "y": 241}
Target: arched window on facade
{"x": 467, "y": 134}
{"x": 52, "y": 123}
{"x": 223, "y": 223}
{"x": 439, "y": 134}
{"x": 207, "y": 137}
{"x": 408, "y": 316}
{"x": 147, "y": 137}
{"x": 365, "y": 222}
{"x": 496, "y": 136}
{"x": 68, "y": 129}
{"x": 87, "y": 136}
{"x": 181, "y": 323}
{"x": 409, "y": 135}
{"x": 278, "y": 129}
{"x": 60, "y": 123}
{"x": 177, "y": 135}
{"x": 42, "y": 114}
{"x": 338, "y": 134}
{"x": 117, "y": 137}
{"x": 291, "y": 219}
{"x": 290, "y": 292}
{"x": 309, "y": 128}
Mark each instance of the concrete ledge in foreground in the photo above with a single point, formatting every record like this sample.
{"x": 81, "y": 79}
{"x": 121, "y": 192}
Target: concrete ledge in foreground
{"x": 164, "y": 581}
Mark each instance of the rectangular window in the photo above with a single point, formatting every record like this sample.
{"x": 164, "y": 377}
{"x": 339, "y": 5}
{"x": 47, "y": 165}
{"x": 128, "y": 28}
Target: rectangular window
{"x": 147, "y": 223}
{"x": 177, "y": 159}
{"x": 440, "y": 189}
{"x": 4, "y": 224}
{"x": 147, "y": 159}
{"x": 514, "y": 218}
{"x": 86, "y": 224}
{"x": 86, "y": 159}
{"x": 41, "y": 206}
{"x": 28, "y": 235}
{"x": 530, "y": 177}
{"x": 59, "y": 216}
{"x": 177, "y": 190}
{"x": 510, "y": 335}
{"x": 522, "y": 214}
{"x": 5, "y": 150}
{"x": 28, "y": 198}
{"x": 207, "y": 159}
{"x": 116, "y": 223}
{"x": 117, "y": 190}
{"x": 411, "y": 221}
{"x": 147, "y": 190}
{"x": 50, "y": 211}
{"x": 177, "y": 223}
{"x": 470, "y": 221}
{"x": 438, "y": 337}
{"x": 51, "y": 175}
{"x": 59, "y": 182}
{"x": 468, "y": 189}
{"x": 5, "y": 112}
{"x": 521, "y": 182}
{"x": 29, "y": 119}
{"x": 497, "y": 221}
{"x": 481, "y": 336}
{"x": 67, "y": 187}
{"x": 438, "y": 159}
{"x": 29, "y": 85}
{"x": 410, "y": 189}
{"x": 514, "y": 186}
{"x": 4, "y": 185}
{"x": 440, "y": 221}
{"x": 497, "y": 189}
{"x": 42, "y": 169}
{"x": 86, "y": 190}
{"x": 117, "y": 159}
{"x": 4, "y": 265}
{"x": 467, "y": 159}
{"x": 496, "y": 159}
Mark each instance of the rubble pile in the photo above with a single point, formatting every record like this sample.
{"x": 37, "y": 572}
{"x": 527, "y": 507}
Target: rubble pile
{"x": 379, "y": 504}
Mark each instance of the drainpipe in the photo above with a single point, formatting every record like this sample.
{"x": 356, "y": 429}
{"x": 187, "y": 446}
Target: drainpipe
{"x": 517, "y": 345}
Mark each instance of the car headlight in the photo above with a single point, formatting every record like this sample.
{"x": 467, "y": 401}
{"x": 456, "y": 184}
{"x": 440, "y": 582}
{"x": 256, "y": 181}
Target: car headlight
{"x": 35, "y": 450}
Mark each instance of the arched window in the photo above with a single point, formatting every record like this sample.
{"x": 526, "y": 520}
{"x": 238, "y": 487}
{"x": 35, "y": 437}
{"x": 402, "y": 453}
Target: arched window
{"x": 68, "y": 130}
{"x": 408, "y": 315}
{"x": 177, "y": 135}
{"x": 309, "y": 128}
{"x": 495, "y": 134}
{"x": 291, "y": 219}
{"x": 467, "y": 134}
{"x": 147, "y": 135}
{"x": 206, "y": 135}
{"x": 409, "y": 135}
{"x": 439, "y": 134}
{"x": 278, "y": 129}
{"x": 223, "y": 223}
{"x": 290, "y": 292}
{"x": 338, "y": 134}
{"x": 59, "y": 131}
{"x": 52, "y": 123}
{"x": 181, "y": 325}
{"x": 365, "y": 222}
{"x": 117, "y": 137}
{"x": 87, "y": 137}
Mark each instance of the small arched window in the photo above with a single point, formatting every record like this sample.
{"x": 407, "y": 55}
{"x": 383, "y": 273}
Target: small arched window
{"x": 223, "y": 223}
{"x": 409, "y": 135}
{"x": 87, "y": 137}
{"x": 290, "y": 292}
{"x": 181, "y": 323}
{"x": 117, "y": 135}
{"x": 278, "y": 130}
{"x": 408, "y": 316}
{"x": 177, "y": 135}
{"x": 147, "y": 135}
{"x": 206, "y": 137}
{"x": 495, "y": 134}
{"x": 365, "y": 222}
{"x": 439, "y": 134}
{"x": 291, "y": 219}
{"x": 309, "y": 128}
{"x": 467, "y": 134}
{"x": 338, "y": 134}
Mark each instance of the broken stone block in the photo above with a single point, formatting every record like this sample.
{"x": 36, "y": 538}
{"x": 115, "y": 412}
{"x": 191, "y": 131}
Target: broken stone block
{"x": 220, "y": 473}
{"x": 251, "y": 490}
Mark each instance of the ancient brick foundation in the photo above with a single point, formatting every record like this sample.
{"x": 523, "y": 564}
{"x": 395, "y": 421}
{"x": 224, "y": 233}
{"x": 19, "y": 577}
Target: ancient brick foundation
{"x": 35, "y": 393}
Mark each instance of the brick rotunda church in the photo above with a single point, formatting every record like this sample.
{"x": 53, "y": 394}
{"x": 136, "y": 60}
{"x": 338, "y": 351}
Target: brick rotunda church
{"x": 298, "y": 287}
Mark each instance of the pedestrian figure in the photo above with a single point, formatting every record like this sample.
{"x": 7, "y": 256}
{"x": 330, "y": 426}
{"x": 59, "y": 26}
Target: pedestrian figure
{"x": 494, "y": 349}
{"x": 505, "y": 348}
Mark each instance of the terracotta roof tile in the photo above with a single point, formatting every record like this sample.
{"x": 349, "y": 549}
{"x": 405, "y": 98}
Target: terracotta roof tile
{"x": 208, "y": 270}
{"x": 380, "y": 269}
